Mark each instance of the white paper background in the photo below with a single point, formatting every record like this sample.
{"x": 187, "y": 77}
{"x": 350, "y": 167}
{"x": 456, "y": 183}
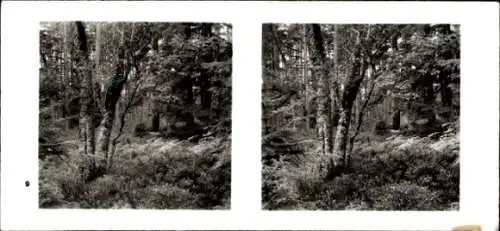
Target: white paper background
{"x": 479, "y": 129}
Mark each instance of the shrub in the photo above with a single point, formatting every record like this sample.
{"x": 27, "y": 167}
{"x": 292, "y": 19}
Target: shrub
{"x": 200, "y": 173}
{"x": 103, "y": 192}
{"x": 278, "y": 189}
{"x": 50, "y": 194}
{"x": 49, "y": 139}
{"x": 281, "y": 144}
{"x": 167, "y": 196}
{"x": 68, "y": 175}
{"x": 403, "y": 196}
{"x": 214, "y": 186}
{"x": 160, "y": 174}
{"x": 397, "y": 172}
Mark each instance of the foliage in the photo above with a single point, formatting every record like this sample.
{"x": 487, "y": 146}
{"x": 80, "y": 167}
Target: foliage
{"x": 397, "y": 174}
{"x": 160, "y": 174}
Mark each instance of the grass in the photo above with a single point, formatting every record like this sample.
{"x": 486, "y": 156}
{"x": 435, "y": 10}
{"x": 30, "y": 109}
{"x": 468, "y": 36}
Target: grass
{"x": 393, "y": 173}
{"x": 152, "y": 174}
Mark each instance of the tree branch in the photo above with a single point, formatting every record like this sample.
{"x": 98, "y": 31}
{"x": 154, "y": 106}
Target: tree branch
{"x": 122, "y": 121}
{"x": 360, "y": 118}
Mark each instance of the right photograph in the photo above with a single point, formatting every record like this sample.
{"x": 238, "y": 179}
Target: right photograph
{"x": 360, "y": 117}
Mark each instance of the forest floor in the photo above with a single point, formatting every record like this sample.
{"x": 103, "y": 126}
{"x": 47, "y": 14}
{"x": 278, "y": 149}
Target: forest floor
{"x": 391, "y": 172}
{"x": 148, "y": 173}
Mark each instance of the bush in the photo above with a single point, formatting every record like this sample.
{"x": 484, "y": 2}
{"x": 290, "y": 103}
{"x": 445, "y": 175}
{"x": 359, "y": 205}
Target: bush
{"x": 168, "y": 196}
{"x": 279, "y": 192}
{"x": 103, "y": 192}
{"x": 395, "y": 173}
{"x": 50, "y": 194}
{"x": 159, "y": 174}
{"x": 63, "y": 182}
{"x": 281, "y": 144}
{"x": 203, "y": 170}
{"x": 49, "y": 139}
{"x": 403, "y": 196}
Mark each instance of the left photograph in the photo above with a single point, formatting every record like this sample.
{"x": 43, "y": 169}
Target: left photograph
{"x": 135, "y": 115}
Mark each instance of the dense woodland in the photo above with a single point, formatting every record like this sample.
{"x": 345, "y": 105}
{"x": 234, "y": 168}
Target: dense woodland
{"x": 135, "y": 115}
{"x": 361, "y": 117}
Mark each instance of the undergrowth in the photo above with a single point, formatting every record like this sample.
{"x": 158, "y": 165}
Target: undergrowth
{"x": 154, "y": 174}
{"x": 390, "y": 173}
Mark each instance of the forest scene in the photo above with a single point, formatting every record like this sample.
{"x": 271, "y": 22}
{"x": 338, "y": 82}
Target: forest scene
{"x": 135, "y": 115}
{"x": 360, "y": 117}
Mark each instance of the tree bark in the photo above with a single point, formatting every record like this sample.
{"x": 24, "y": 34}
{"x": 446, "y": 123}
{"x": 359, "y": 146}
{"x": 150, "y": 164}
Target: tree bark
{"x": 98, "y": 47}
{"x": 360, "y": 116}
{"x": 396, "y": 112}
{"x": 335, "y": 102}
{"x": 155, "y": 122}
{"x": 126, "y": 108}
{"x": 396, "y": 119}
{"x": 87, "y": 134}
{"x": 44, "y": 59}
{"x": 112, "y": 96}
{"x": 351, "y": 88}
{"x": 187, "y": 80}
{"x": 305, "y": 79}
{"x": 64, "y": 72}
{"x": 276, "y": 59}
{"x": 446, "y": 95}
{"x": 311, "y": 88}
{"x": 324, "y": 101}
{"x": 205, "y": 83}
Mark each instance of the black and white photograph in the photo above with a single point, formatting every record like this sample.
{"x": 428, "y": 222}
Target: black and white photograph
{"x": 361, "y": 117}
{"x": 249, "y": 115}
{"x": 135, "y": 115}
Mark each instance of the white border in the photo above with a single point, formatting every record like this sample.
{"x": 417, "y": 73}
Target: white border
{"x": 479, "y": 134}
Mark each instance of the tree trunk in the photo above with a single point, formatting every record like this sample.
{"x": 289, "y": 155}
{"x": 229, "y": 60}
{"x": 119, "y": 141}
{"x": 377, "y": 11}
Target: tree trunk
{"x": 336, "y": 95}
{"x": 64, "y": 72}
{"x": 98, "y": 47}
{"x": 205, "y": 84}
{"x": 205, "y": 94}
{"x": 446, "y": 96}
{"x": 396, "y": 113}
{"x": 112, "y": 96}
{"x": 311, "y": 99}
{"x": 73, "y": 120}
{"x": 87, "y": 134}
{"x": 155, "y": 122}
{"x": 97, "y": 59}
{"x": 305, "y": 78}
{"x": 360, "y": 116}
{"x": 121, "y": 117}
{"x": 187, "y": 81}
{"x": 324, "y": 101}
{"x": 396, "y": 119}
{"x": 351, "y": 88}
{"x": 276, "y": 58}
{"x": 429, "y": 99}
